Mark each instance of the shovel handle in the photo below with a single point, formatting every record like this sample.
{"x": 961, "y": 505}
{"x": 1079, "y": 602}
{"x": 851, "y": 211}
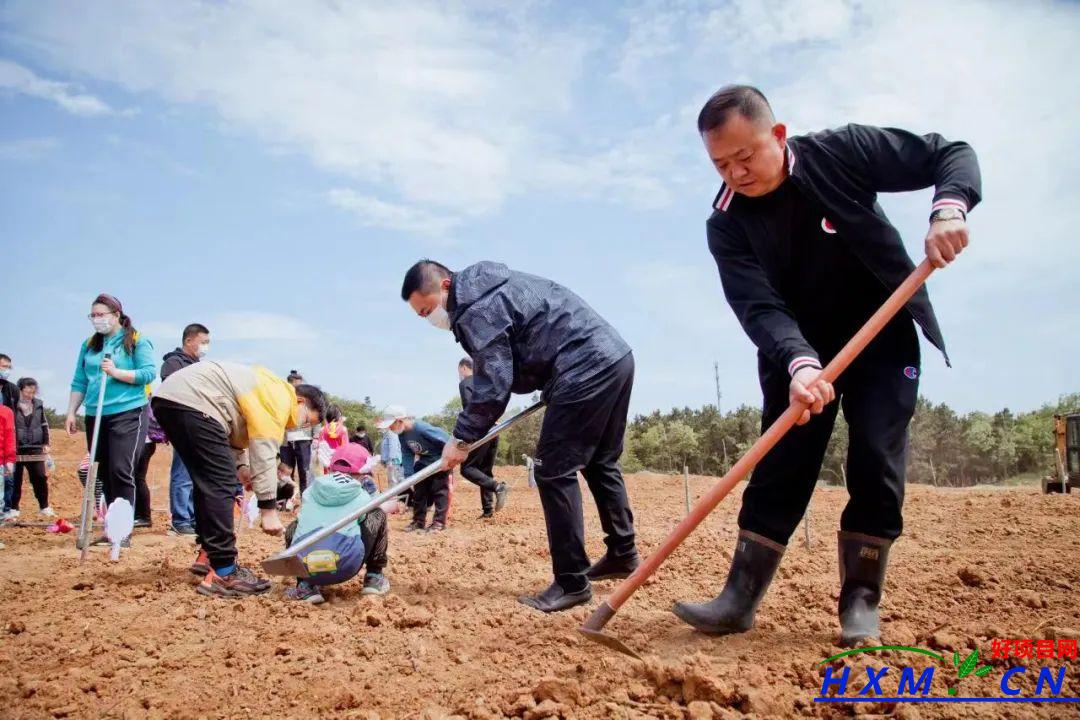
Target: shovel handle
{"x": 764, "y": 444}
{"x": 392, "y": 492}
{"x": 86, "y": 520}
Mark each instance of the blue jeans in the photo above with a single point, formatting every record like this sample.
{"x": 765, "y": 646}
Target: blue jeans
{"x": 181, "y": 506}
{"x": 9, "y": 487}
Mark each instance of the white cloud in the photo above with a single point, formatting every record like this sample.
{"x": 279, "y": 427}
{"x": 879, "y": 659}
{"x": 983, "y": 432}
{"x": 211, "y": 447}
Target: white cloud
{"x": 16, "y": 78}
{"x": 28, "y": 149}
{"x": 260, "y": 326}
{"x": 429, "y": 111}
{"x": 373, "y": 212}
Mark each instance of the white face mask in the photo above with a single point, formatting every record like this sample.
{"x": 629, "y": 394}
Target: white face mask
{"x": 203, "y": 349}
{"x": 103, "y": 325}
{"x": 439, "y": 318}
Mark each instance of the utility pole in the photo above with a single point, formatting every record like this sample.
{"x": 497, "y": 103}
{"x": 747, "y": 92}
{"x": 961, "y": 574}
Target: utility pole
{"x": 716, "y": 371}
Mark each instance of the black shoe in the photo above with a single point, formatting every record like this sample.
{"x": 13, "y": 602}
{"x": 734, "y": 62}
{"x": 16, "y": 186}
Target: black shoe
{"x": 182, "y": 529}
{"x": 487, "y": 514}
{"x": 501, "y": 493}
{"x": 862, "y": 572}
{"x": 752, "y": 569}
{"x": 609, "y": 568}
{"x": 142, "y": 524}
{"x": 414, "y": 526}
{"x": 554, "y": 598}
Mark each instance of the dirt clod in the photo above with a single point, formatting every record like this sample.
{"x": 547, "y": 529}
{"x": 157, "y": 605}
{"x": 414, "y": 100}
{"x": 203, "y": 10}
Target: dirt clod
{"x": 971, "y": 577}
{"x": 415, "y": 616}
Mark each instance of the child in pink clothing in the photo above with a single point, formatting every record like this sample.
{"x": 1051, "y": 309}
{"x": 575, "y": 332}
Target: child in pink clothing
{"x": 334, "y": 432}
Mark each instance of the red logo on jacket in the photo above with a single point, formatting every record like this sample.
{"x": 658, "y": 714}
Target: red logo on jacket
{"x": 827, "y": 226}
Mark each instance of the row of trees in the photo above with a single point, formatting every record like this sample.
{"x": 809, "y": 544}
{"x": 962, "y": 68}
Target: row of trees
{"x": 946, "y": 448}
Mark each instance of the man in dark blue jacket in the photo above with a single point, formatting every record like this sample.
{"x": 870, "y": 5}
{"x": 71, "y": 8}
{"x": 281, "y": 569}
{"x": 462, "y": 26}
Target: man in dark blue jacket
{"x": 424, "y": 442}
{"x": 806, "y": 255}
{"x": 525, "y": 333}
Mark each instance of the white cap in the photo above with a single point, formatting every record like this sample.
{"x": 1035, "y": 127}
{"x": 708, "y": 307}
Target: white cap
{"x": 389, "y": 414}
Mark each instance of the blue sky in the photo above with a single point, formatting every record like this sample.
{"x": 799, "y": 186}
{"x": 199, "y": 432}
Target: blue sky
{"x": 271, "y": 169}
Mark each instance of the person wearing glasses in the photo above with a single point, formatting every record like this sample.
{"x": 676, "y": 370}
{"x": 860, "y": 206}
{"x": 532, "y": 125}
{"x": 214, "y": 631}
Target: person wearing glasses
{"x": 130, "y": 367}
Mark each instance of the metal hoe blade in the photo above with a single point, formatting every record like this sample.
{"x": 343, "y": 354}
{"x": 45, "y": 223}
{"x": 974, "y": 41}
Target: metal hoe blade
{"x": 593, "y": 629}
{"x": 282, "y": 564}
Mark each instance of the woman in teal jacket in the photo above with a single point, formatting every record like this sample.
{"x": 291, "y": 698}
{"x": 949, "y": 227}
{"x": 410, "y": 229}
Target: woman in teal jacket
{"x": 131, "y": 368}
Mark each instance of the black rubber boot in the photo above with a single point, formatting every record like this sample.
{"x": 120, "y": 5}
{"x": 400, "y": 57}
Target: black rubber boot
{"x": 862, "y": 572}
{"x": 609, "y": 568}
{"x": 752, "y": 569}
{"x": 554, "y": 598}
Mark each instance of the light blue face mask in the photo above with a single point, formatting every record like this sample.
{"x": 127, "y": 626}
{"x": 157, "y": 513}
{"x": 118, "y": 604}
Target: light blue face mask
{"x": 4, "y": 372}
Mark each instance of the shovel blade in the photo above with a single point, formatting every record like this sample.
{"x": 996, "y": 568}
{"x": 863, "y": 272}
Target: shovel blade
{"x": 285, "y": 563}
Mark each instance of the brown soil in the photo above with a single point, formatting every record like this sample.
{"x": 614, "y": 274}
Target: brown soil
{"x": 133, "y": 639}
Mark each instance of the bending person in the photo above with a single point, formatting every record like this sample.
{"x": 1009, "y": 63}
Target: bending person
{"x": 525, "y": 333}
{"x": 226, "y": 421}
{"x": 479, "y": 468}
{"x": 806, "y": 255}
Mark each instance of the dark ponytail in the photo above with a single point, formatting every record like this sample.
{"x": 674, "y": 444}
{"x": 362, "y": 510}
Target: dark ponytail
{"x": 97, "y": 342}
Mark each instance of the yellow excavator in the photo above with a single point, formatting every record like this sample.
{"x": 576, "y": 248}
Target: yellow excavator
{"x": 1066, "y": 472}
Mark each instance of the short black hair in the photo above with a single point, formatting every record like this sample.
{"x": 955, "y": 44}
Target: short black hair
{"x": 294, "y": 375}
{"x": 746, "y": 100}
{"x": 465, "y": 362}
{"x": 315, "y": 398}
{"x": 333, "y": 413}
{"x": 192, "y": 330}
{"x": 27, "y": 382}
{"x": 5, "y": 357}
{"x": 424, "y": 277}
{"x": 361, "y": 427}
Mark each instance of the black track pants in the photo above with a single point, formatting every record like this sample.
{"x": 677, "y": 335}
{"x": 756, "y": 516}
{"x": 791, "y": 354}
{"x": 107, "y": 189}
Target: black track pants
{"x": 586, "y": 435}
{"x": 877, "y": 394}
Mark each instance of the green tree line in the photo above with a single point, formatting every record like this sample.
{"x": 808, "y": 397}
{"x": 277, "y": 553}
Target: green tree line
{"x": 945, "y": 448}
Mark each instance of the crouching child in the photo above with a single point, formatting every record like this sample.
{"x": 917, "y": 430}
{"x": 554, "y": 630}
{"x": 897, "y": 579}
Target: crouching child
{"x": 338, "y": 558}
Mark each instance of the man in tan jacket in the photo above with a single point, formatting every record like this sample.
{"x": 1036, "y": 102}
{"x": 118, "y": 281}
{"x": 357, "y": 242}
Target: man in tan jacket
{"x": 226, "y": 421}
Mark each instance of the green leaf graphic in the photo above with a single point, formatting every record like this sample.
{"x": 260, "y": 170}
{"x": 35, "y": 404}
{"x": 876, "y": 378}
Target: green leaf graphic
{"x": 952, "y": 691}
{"x": 968, "y": 665}
{"x": 955, "y": 657}
{"x": 983, "y": 671}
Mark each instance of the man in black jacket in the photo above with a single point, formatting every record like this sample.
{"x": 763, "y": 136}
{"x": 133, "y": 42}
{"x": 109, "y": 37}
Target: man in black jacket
{"x": 479, "y": 468}
{"x": 525, "y": 333}
{"x": 806, "y": 255}
{"x": 195, "y": 342}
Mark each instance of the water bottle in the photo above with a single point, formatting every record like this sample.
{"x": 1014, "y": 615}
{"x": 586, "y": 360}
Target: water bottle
{"x": 50, "y": 464}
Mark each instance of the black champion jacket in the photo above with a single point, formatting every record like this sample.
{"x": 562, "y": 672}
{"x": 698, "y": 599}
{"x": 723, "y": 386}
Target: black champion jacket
{"x": 843, "y": 170}
{"x": 524, "y": 333}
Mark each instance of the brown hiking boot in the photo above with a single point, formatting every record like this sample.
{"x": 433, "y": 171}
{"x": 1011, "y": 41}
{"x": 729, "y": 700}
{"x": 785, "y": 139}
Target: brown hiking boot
{"x": 201, "y": 566}
{"x": 240, "y": 583}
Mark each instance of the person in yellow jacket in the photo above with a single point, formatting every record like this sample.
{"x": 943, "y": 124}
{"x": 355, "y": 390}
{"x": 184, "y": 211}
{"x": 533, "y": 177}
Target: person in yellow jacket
{"x": 226, "y": 421}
